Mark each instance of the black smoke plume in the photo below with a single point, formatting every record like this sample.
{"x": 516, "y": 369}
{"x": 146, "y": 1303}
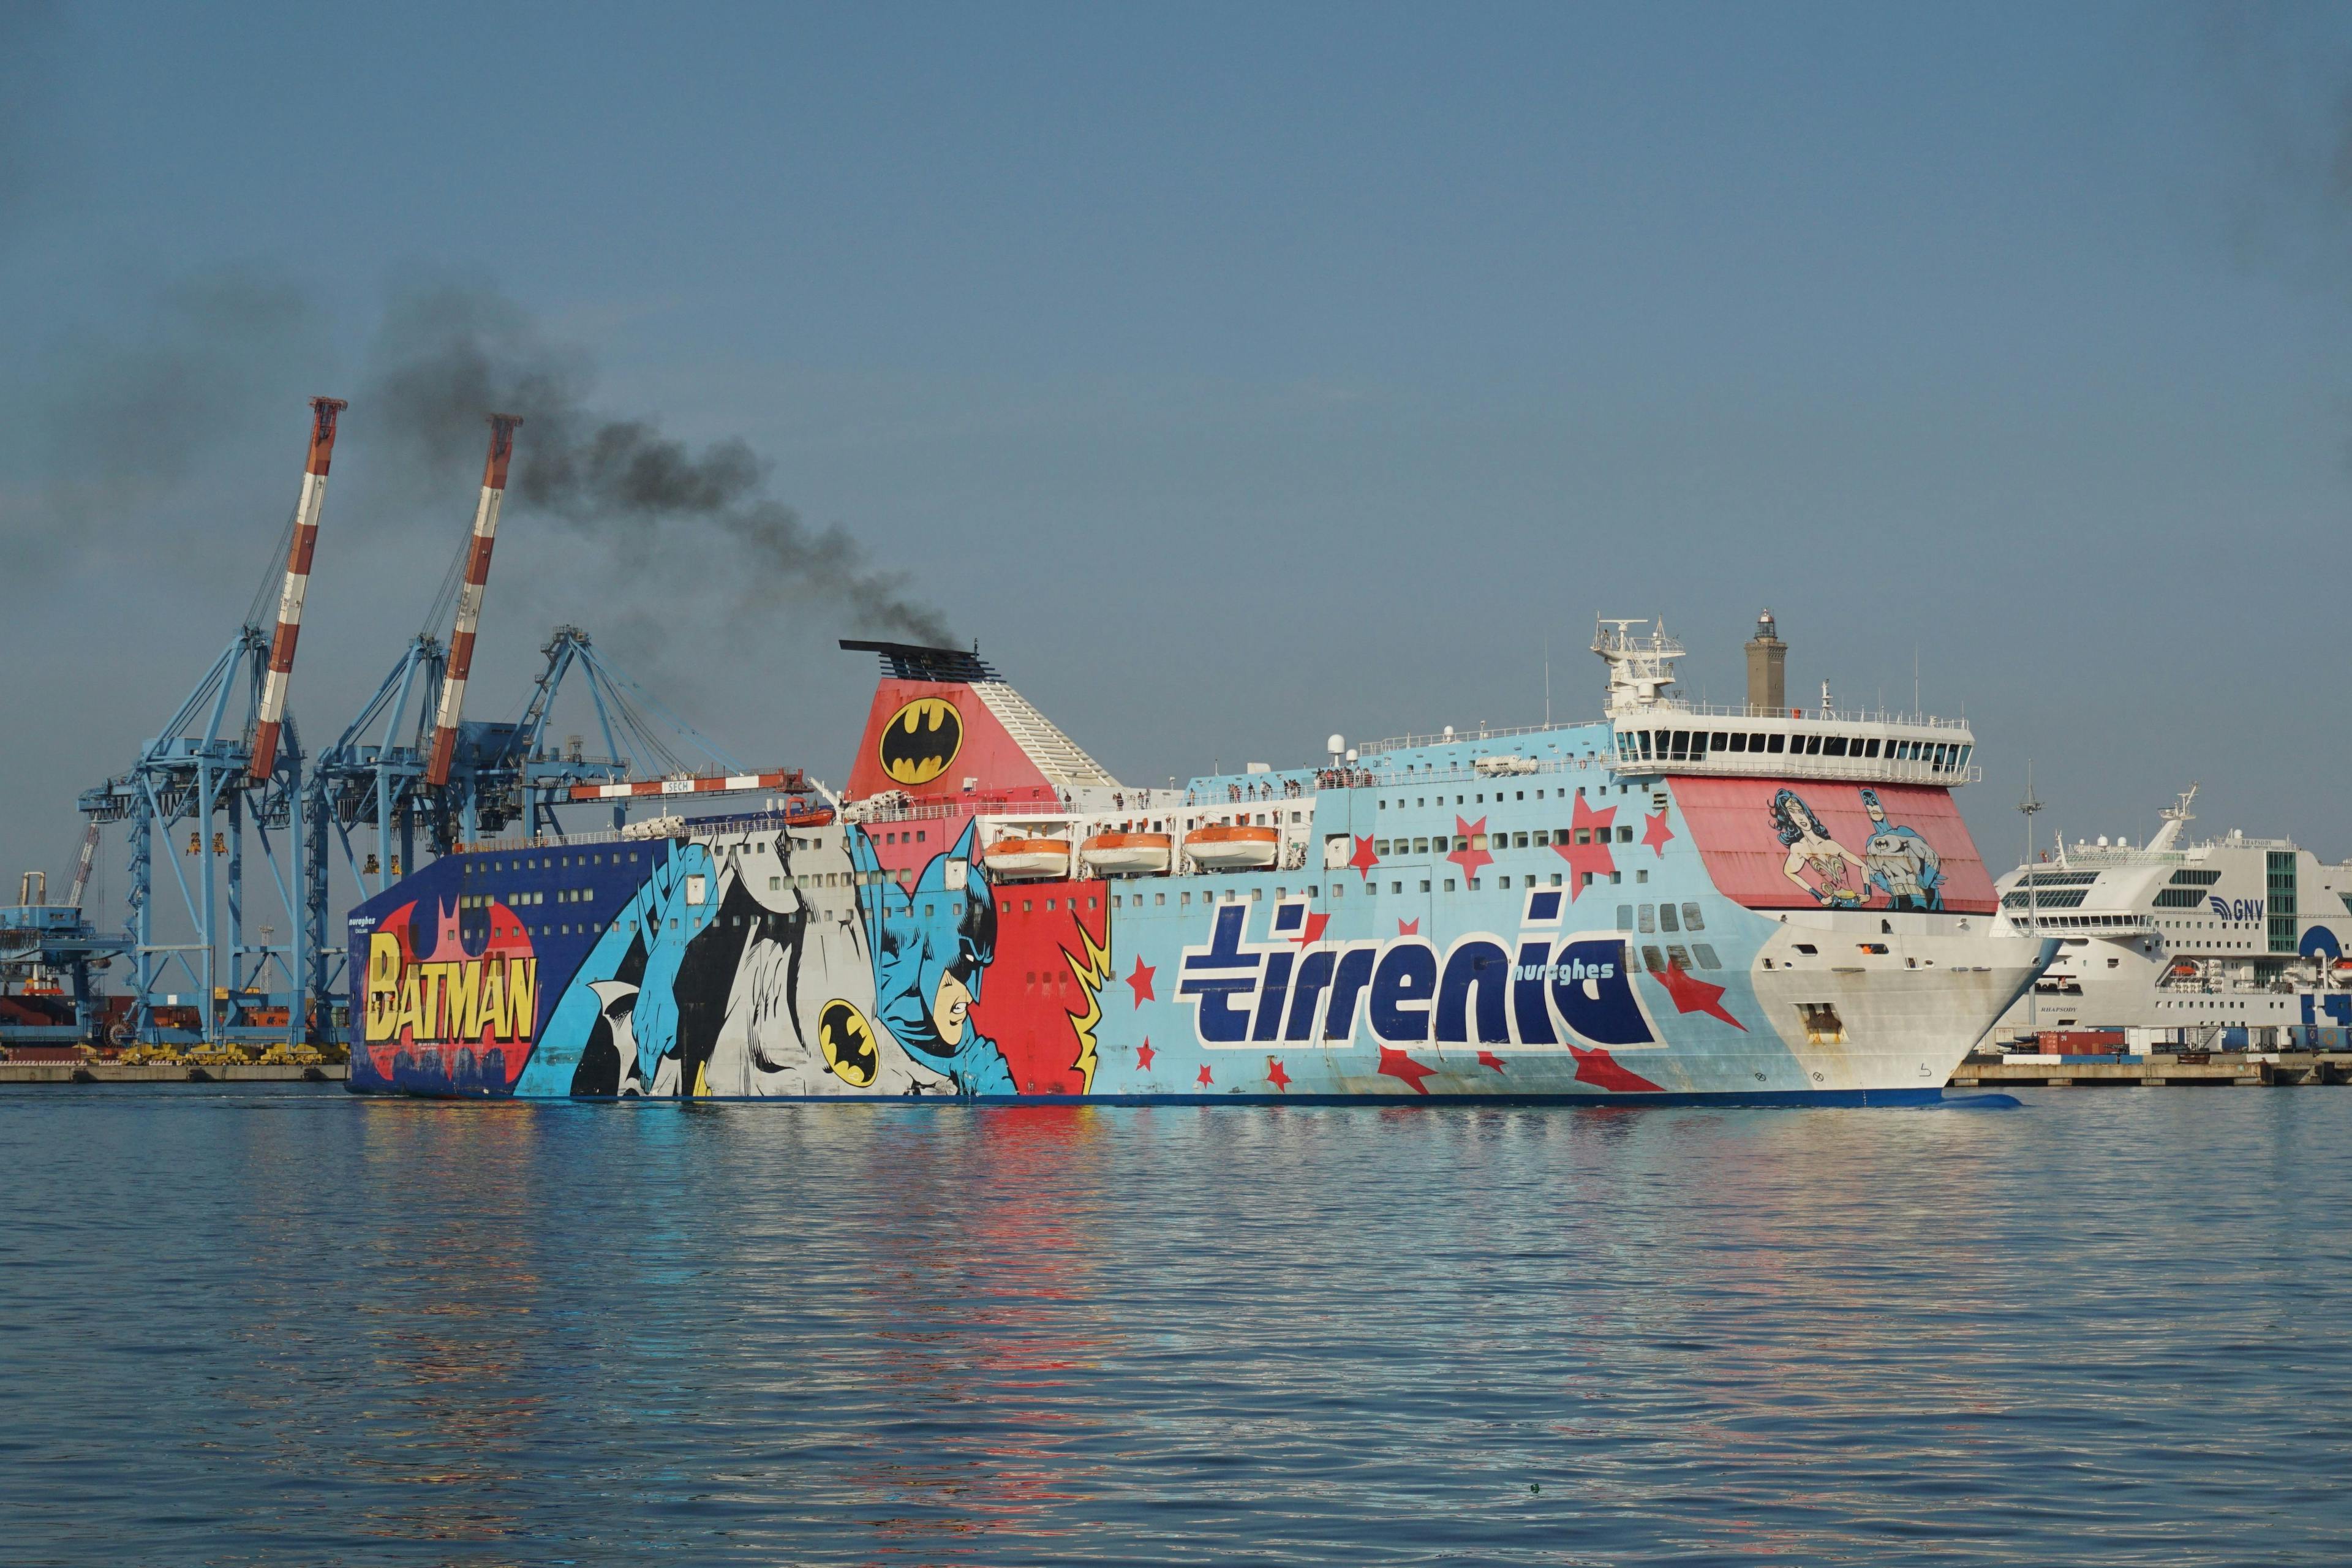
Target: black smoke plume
{"x": 449, "y": 354}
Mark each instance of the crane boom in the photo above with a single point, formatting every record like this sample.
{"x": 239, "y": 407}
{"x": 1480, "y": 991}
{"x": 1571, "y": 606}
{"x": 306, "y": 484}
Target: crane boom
{"x": 469, "y": 599}
{"x": 272, "y": 716}
{"x": 89, "y": 858}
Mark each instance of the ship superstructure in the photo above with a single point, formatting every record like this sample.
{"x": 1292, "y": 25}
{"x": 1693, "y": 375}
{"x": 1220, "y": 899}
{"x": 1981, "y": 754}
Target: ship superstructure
{"x": 2234, "y": 942}
{"x": 1672, "y": 900}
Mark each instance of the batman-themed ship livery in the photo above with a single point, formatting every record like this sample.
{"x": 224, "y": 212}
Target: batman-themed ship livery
{"x": 1670, "y": 902}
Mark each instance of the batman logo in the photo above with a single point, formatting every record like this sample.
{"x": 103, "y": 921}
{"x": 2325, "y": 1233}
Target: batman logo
{"x": 848, "y": 1043}
{"x": 921, "y": 740}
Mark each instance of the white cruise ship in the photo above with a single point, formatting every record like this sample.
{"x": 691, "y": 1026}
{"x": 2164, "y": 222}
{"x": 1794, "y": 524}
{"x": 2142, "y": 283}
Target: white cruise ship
{"x": 2231, "y": 943}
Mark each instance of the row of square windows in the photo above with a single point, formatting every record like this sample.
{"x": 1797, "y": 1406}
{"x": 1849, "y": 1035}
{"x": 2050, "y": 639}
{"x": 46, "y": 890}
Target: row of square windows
{"x": 1645, "y": 919}
{"x": 1422, "y": 800}
{"x": 1441, "y": 843}
{"x": 477, "y": 866}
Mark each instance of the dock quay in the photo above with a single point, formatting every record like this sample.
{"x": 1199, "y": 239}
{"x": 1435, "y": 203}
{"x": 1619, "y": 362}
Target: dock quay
{"x": 172, "y": 1072}
{"x": 2158, "y": 1069}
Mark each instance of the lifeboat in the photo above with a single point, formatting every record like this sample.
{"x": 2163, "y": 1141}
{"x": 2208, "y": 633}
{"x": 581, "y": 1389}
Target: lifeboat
{"x": 808, "y": 815}
{"x": 1128, "y": 853}
{"x": 1029, "y": 857}
{"x": 1219, "y": 847}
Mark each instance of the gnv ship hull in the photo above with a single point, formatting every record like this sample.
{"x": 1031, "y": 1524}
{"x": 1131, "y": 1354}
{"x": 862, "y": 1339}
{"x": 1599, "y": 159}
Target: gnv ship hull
{"x": 1667, "y": 904}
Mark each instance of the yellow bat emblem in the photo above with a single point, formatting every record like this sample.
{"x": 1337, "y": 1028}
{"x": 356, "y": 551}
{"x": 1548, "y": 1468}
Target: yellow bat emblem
{"x": 920, "y": 740}
{"x": 848, "y": 1040}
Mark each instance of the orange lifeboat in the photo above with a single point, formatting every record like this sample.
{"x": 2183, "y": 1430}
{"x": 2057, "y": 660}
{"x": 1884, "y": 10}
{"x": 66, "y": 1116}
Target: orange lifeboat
{"x": 1128, "y": 853}
{"x": 1017, "y": 857}
{"x": 807, "y": 816}
{"x": 1223, "y": 848}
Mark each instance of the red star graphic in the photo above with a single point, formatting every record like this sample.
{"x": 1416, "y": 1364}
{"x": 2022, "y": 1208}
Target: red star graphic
{"x": 1396, "y": 1064}
{"x": 1203, "y": 1080}
{"x": 1692, "y": 994}
{"x": 1408, "y": 928}
{"x": 1363, "y": 860}
{"x": 1489, "y": 1059}
{"x": 1313, "y": 932}
{"x": 1602, "y": 1071}
{"x": 1470, "y": 859}
{"x": 1595, "y": 858}
{"x": 1654, "y": 832}
{"x": 1276, "y": 1076}
{"x": 1141, "y": 981}
{"x": 1144, "y": 1053}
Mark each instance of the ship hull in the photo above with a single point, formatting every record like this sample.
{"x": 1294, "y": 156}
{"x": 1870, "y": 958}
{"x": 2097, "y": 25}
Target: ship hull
{"x": 752, "y": 961}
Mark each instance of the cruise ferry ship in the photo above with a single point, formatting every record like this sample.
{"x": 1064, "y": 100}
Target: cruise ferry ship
{"x": 2231, "y": 943}
{"x": 1670, "y": 902}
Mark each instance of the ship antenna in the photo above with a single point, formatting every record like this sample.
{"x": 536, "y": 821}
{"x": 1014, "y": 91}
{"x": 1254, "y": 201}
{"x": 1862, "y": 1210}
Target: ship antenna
{"x": 2029, "y": 805}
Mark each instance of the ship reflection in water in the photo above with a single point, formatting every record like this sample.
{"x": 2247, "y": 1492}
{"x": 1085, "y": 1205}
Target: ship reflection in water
{"x": 300, "y": 1327}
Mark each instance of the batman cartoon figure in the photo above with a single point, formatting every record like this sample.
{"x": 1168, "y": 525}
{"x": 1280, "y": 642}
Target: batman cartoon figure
{"x": 704, "y": 985}
{"x": 932, "y": 946}
{"x": 921, "y": 739}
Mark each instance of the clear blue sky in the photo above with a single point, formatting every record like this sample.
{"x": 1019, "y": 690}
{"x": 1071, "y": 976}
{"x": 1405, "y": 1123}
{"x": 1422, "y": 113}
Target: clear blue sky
{"x": 1235, "y": 375}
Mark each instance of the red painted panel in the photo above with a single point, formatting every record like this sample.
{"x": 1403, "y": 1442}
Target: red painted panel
{"x": 1039, "y": 1000}
{"x": 1826, "y": 851}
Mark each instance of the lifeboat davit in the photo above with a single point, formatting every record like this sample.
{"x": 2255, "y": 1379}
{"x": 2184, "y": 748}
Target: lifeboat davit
{"x": 1220, "y": 848}
{"x": 1128, "y": 853}
{"x": 1029, "y": 857}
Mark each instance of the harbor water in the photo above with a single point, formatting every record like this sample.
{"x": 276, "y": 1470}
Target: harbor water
{"x": 280, "y": 1324}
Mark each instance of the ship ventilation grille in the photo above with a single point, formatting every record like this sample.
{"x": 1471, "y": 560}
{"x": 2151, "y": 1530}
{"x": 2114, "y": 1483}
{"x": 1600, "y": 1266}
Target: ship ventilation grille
{"x": 1057, "y": 756}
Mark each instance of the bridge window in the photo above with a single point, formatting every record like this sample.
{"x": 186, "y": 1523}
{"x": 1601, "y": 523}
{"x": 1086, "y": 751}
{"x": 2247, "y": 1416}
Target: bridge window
{"x": 1774, "y": 743}
{"x": 1869, "y": 747}
{"x": 1834, "y": 746}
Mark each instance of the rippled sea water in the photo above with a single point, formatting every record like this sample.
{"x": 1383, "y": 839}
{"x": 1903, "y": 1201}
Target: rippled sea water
{"x": 290, "y": 1326}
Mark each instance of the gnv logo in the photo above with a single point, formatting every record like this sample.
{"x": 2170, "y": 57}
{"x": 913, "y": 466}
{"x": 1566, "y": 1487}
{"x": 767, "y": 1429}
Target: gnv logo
{"x": 2240, "y": 909}
{"x": 1476, "y": 992}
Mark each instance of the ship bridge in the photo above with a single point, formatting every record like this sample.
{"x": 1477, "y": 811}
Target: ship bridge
{"x": 1655, "y": 731}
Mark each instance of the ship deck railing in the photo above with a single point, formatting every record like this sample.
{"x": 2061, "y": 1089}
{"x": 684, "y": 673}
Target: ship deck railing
{"x": 1669, "y": 709}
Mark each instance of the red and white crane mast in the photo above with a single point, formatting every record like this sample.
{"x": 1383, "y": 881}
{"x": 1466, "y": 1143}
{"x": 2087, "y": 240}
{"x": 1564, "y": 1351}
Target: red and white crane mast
{"x": 469, "y": 599}
{"x": 272, "y": 714}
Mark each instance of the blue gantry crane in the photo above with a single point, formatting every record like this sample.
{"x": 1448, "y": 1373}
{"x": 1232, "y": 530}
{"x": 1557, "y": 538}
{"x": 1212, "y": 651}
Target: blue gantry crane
{"x": 228, "y": 763}
{"x": 409, "y": 775}
{"x": 48, "y": 953}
